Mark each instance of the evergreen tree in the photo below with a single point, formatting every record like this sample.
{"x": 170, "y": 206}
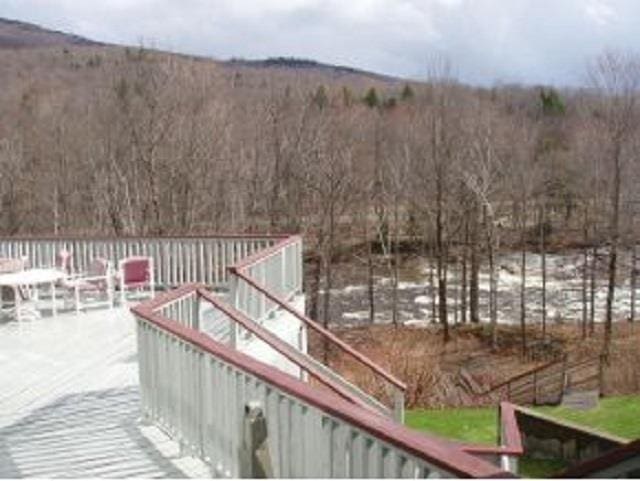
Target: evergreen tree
{"x": 347, "y": 96}
{"x": 371, "y": 98}
{"x": 552, "y": 104}
{"x": 320, "y": 97}
{"x": 407, "y": 92}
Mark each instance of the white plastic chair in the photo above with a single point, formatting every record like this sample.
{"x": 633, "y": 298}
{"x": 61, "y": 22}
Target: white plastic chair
{"x": 93, "y": 288}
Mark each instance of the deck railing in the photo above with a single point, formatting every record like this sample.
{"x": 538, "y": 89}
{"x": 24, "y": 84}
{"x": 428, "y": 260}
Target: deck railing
{"x": 546, "y": 384}
{"x": 183, "y": 308}
{"x": 278, "y": 269}
{"x": 265, "y": 282}
{"x": 206, "y": 395}
{"x": 510, "y": 438}
{"x": 261, "y": 273}
{"x": 394, "y": 389}
{"x": 177, "y": 260}
{"x": 201, "y": 389}
{"x": 190, "y": 303}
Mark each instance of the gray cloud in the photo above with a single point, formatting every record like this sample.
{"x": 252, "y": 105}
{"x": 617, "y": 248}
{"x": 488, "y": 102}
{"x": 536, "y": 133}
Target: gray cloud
{"x": 488, "y": 41}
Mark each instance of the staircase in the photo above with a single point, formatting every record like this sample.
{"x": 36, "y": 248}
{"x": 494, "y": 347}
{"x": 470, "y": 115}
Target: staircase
{"x": 547, "y": 384}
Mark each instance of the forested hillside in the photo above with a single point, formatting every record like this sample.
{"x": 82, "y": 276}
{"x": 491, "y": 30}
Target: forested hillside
{"x": 17, "y": 34}
{"x": 126, "y": 141}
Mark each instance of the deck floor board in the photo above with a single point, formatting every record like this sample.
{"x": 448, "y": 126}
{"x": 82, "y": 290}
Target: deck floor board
{"x": 69, "y": 402}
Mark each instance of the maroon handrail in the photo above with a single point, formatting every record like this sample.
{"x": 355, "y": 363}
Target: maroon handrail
{"x": 279, "y": 345}
{"x": 512, "y": 444}
{"x": 152, "y": 306}
{"x": 435, "y": 452}
{"x": 321, "y": 330}
{"x": 264, "y": 253}
{"x": 526, "y": 373}
{"x": 512, "y": 437}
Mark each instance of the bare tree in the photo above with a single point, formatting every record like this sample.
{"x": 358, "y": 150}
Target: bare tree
{"x": 525, "y": 183}
{"x": 616, "y": 77}
{"x": 482, "y": 177}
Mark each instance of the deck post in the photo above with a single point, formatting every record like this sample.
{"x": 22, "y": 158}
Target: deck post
{"x": 234, "y": 297}
{"x": 601, "y": 361}
{"x": 195, "y": 313}
{"x": 398, "y": 405}
{"x": 255, "y": 461}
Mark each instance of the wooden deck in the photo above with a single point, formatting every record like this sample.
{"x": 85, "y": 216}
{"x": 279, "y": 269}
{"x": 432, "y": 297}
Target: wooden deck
{"x": 69, "y": 402}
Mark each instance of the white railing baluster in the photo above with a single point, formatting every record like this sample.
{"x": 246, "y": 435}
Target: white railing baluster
{"x": 176, "y": 260}
{"x": 204, "y": 406}
{"x": 198, "y": 391}
{"x": 389, "y": 463}
{"x": 374, "y": 459}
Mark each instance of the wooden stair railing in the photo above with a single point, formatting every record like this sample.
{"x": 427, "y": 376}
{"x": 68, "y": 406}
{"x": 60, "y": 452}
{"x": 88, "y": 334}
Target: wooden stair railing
{"x": 546, "y": 384}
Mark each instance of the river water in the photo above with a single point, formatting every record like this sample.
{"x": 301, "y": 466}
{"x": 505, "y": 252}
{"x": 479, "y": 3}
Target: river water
{"x": 349, "y": 304}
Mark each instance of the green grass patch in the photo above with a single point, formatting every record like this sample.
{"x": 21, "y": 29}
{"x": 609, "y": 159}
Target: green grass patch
{"x": 618, "y": 415}
{"x": 473, "y": 425}
{"x": 615, "y": 415}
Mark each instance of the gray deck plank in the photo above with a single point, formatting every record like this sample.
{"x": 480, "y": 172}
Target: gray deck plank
{"x": 69, "y": 403}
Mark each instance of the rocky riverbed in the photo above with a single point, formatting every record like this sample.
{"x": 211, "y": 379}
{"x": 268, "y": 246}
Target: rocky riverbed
{"x": 350, "y": 306}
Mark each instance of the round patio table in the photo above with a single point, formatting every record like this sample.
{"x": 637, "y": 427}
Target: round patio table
{"x": 31, "y": 278}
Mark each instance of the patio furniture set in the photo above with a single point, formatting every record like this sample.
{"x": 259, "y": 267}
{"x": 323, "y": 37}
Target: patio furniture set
{"x": 21, "y": 286}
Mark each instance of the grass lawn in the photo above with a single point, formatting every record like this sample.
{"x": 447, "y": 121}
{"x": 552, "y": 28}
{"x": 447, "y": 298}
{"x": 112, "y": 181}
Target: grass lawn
{"x": 618, "y": 415}
{"x": 474, "y": 425}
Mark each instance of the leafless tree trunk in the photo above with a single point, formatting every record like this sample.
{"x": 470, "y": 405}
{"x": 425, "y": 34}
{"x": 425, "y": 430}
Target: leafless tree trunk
{"x": 441, "y": 262}
{"x": 463, "y": 280}
{"x": 493, "y": 280}
{"x": 592, "y": 290}
{"x": 314, "y": 291}
{"x": 543, "y": 265}
{"x": 632, "y": 282}
{"x": 585, "y": 265}
{"x": 616, "y": 77}
{"x": 474, "y": 291}
{"x": 432, "y": 285}
{"x": 523, "y": 275}
{"x": 370, "y": 273}
{"x": 328, "y": 263}
{"x": 614, "y": 233}
{"x": 396, "y": 260}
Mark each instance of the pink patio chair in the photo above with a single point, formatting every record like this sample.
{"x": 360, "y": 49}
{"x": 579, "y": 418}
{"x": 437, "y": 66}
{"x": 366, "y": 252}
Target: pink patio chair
{"x": 64, "y": 262}
{"x": 135, "y": 273}
{"x": 93, "y": 288}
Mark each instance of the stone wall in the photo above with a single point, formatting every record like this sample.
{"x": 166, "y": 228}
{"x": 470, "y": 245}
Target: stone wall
{"x": 548, "y": 438}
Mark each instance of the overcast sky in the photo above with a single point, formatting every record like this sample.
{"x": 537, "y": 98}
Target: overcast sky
{"x": 487, "y": 41}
